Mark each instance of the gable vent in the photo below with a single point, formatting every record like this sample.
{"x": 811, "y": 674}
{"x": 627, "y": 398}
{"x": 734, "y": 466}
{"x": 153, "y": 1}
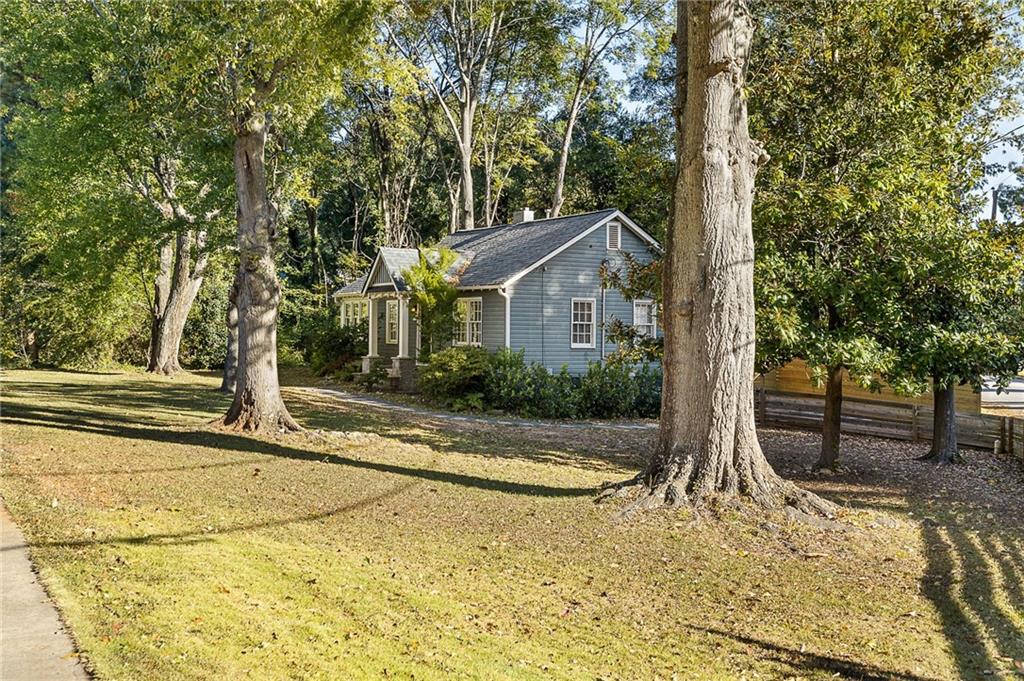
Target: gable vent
{"x": 381, "y": 276}
{"x": 614, "y": 236}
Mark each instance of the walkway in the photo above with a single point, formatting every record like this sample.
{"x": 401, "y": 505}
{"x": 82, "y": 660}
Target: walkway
{"x": 371, "y": 401}
{"x": 33, "y": 643}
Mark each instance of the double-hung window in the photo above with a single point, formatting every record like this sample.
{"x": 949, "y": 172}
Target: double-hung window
{"x": 583, "y": 323}
{"x": 391, "y": 322}
{"x": 469, "y": 320}
{"x": 353, "y": 312}
{"x": 645, "y": 317}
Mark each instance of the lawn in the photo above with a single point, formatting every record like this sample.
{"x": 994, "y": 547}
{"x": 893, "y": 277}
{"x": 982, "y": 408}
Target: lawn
{"x": 389, "y": 545}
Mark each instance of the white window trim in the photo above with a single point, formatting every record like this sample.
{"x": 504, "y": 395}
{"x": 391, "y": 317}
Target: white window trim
{"x": 654, "y": 315}
{"x": 390, "y": 305}
{"x": 608, "y": 235}
{"x": 593, "y": 323}
{"x": 464, "y": 323}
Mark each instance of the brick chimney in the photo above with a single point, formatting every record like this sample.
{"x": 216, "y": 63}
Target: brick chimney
{"x": 522, "y": 215}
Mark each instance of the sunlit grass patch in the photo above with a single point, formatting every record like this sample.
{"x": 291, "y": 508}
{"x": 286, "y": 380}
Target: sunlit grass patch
{"x": 382, "y": 545}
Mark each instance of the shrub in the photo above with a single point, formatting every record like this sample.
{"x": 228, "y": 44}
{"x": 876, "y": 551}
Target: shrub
{"x": 326, "y": 345}
{"x": 555, "y": 396}
{"x": 607, "y": 391}
{"x": 454, "y": 372}
{"x": 510, "y": 382}
{"x": 377, "y": 375}
{"x": 648, "y": 383}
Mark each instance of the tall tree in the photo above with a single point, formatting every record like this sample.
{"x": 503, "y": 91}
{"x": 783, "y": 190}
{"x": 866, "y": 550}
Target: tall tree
{"x": 259, "y": 72}
{"x": 597, "y": 29}
{"x": 857, "y": 103}
{"x": 473, "y": 54}
{"x": 707, "y": 444}
{"x": 102, "y": 116}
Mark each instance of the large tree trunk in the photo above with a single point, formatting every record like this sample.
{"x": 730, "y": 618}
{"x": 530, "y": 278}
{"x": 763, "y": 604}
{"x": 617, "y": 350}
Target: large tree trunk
{"x": 707, "y": 445}
{"x": 158, "y": 306}
{"x": 944, "y": 437}
{"x": 184, "y": 288}
{"x": 258, "y": 405}
{"x": 227, "y": 384}
{"x": 832, "y": 423}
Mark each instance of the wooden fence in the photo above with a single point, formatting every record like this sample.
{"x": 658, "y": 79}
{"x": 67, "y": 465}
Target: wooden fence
{"x": 891, "y": 420}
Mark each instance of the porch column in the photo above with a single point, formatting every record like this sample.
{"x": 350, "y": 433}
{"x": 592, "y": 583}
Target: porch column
{"x": 403, "y": 327}
{"x": 372, "y": 332}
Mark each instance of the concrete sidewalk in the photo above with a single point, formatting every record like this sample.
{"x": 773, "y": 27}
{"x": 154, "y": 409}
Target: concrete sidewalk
{"x": 33, "y": 643}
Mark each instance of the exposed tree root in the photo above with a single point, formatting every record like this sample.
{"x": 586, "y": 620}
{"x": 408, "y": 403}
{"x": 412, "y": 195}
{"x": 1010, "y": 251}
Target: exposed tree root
{"x": 169, "y": 369}
{"x": 249, "y": 419}
{"x": 648, "y": 493}
{"x": 941, "y": 458}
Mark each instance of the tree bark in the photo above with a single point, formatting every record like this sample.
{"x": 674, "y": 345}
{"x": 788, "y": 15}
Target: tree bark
{"x": 466, "y": 158}
{"x": 158, "y": 306}
{"x": 315, "y": 257}
{"x": 944, "y": 447}
{"x": 185, "y": 284}
{"x": 832, "y": 422}
{"x": 227, "y": 384}
{"x": 707, "y": 445}
{"x": 258, "y": 405}
{"x": 558, "y": 197}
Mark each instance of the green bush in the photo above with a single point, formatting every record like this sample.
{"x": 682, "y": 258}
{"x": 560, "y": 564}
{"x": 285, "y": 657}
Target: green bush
{"x": 454, "y": 372}
{"x": 469, "y": 379}
{"x": 648, "y": 399}
{"x": 556, "y": 396}
{"x": 608, "y": 391}
{"x": 524, "y": 389}
{"x": 509, "y": 385}
{"x": 327, "y": 346}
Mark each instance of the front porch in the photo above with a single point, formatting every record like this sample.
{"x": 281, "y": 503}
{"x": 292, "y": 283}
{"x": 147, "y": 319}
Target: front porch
{"x": 393, "y": 339}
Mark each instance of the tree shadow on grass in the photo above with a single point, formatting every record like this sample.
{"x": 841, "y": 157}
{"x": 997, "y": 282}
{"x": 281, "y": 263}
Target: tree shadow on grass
{"x": 187, "y": 537}
{"x": 976, "y": 588}
{"x": 802, "y": 662}
{"x": 84, "y": 422}
{"x": 444, "y": 434}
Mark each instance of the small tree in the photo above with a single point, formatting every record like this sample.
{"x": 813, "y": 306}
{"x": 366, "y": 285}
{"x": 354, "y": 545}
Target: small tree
{"x": 434, "y": 298}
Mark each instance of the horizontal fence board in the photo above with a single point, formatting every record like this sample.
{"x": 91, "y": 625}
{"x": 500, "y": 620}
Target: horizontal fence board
{"x": 889, "y": 420}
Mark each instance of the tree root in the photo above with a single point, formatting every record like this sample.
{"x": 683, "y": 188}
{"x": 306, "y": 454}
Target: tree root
{"x": 643, "y": 494}
{"x": 941, "y": 459}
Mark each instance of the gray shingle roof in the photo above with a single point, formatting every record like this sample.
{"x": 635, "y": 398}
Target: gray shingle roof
{"x": 498, "y": 253}
{"x": 493, "y": 255}
{"x": 398, "y": 260}
{"x": 352, "y": 288}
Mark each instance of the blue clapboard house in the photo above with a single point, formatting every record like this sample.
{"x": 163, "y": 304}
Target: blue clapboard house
{"x": 531, "y": 285}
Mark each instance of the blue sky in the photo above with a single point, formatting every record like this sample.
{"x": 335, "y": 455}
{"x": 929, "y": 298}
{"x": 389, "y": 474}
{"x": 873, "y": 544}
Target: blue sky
{"x": 1004, "y": 154}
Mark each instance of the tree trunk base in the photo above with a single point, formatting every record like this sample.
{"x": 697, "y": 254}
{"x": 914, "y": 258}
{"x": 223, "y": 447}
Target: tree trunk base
{"x": 167, "y": 369}
{"x": 247, "y": 415}
{"x": 647, "y": 493}
{"x": 944, "y": 457}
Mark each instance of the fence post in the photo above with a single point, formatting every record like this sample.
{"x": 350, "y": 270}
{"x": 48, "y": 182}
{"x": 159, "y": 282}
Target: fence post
{"x": 914, "y": 425}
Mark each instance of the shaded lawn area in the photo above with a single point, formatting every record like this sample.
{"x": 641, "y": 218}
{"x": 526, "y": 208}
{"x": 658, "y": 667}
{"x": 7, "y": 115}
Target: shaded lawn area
{"x": 389, "y": 545}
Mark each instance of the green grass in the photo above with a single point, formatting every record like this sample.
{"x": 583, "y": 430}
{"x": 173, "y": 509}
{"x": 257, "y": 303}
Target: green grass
{"x": 380, "y": 545}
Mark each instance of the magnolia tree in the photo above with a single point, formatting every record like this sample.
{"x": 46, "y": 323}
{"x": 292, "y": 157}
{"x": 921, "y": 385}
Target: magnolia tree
{"x": 865, "y": 109}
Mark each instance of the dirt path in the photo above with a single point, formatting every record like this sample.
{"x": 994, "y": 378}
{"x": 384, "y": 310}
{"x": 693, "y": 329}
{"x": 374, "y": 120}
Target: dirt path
{"x": 33, "y": 642}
